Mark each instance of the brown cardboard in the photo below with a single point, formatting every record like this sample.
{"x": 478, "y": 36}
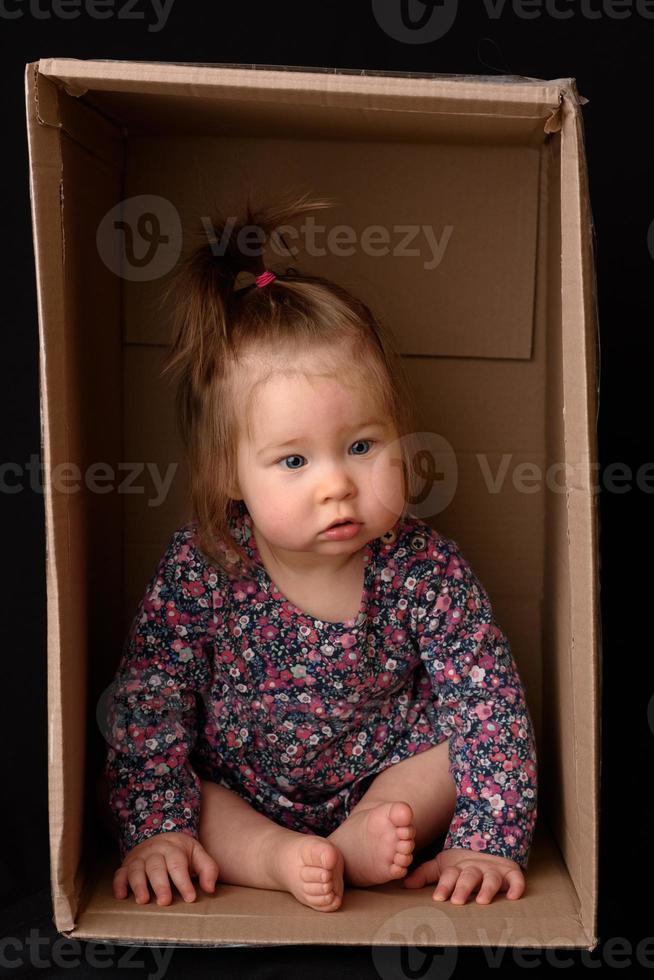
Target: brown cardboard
{"x": 506, "y": 323}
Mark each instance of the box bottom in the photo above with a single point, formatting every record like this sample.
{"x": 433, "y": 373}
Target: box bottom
{"x": 548, "y": 914}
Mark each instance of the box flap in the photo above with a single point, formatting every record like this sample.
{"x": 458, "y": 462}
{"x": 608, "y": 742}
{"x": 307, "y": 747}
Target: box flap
{"x": 580, "y": 399}
{"x": 538, "y": 98}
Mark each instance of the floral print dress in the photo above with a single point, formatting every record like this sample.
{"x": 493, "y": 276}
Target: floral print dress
{"x": 223, "y": 678}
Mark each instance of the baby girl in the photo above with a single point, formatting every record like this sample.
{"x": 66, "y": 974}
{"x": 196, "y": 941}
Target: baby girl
{"x": 314, "y": 684}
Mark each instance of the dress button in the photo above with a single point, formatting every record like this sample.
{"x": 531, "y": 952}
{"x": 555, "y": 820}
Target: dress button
{"x": 389, "y": 537}
{"x": 418, "y": 542}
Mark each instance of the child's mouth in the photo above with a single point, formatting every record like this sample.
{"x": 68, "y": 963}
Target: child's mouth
{"x": 344, "y": 529}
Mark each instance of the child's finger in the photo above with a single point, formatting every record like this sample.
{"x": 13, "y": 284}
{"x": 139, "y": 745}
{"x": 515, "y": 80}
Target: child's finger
{"x": 138, "y": 882}
{"x": 206, "y": 867}
{"x": 515, "y": 880}
{"x": 424, "y": 874}
{"x": 155, "y": 866}
{"x": 447, "y": 883}
{"x": 469, "y": 880}
{"x": 120, "y": 883}
{"x": 490, "y": 886}
{"x": 177, "y": 863}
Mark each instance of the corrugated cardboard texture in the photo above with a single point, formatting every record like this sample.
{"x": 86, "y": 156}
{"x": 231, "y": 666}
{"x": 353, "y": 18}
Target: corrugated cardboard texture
{"x": 215, "y": 100}
{"x": 80, "y": 411}
{"x": 498, "y": 342}
{"x": 387, "y": 915}
{"x": 571, "y": 678}
{"x": 447, "y": 298}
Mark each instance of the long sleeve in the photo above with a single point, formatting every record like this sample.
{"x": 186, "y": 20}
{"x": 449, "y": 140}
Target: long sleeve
{"x": 480, "y": 703}
{"x": 151, "y": 716}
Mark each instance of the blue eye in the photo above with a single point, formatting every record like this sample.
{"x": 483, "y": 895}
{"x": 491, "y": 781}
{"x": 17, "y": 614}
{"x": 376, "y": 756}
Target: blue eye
{"x": 359, "y": 441}
{"x": 294, "y": 456}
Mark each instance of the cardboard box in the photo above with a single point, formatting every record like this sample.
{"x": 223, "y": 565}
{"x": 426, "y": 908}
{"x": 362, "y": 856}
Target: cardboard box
{"x": 503, "y": 328}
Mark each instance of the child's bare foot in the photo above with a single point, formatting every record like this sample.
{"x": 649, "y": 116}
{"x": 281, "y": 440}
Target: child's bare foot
{"x": 377, "y": 843}
{"x": 309, "y": 867}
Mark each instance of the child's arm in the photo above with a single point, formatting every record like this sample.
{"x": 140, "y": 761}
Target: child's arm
{"x": 480, "y": 704}
{"x": 151, "y": 715}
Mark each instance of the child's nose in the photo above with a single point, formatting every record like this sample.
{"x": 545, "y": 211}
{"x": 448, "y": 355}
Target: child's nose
{"x": 338, "y": 482}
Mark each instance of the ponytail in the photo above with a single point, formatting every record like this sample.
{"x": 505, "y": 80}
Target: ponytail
{"x": 217, "y": 323}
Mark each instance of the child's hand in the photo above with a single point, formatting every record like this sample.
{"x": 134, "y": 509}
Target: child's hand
{"x": 464, "y": 871}
{"x": 157, "y": 857}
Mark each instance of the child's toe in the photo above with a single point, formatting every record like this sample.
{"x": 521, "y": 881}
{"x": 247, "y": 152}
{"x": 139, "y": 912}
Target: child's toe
{"x": 401, "y": 814}
{"x": 311, "y": 873}
{"x": 325, "y": 899}
{"x": 318, "y": 888}
{"x": 319, "y": 854}
{"x": 404, "y": 860}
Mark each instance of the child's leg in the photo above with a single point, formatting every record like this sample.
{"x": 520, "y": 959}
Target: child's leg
{"x": 423, "y": 781}
{"x": 253, "y": 850}
{"x": 378, "y": 838}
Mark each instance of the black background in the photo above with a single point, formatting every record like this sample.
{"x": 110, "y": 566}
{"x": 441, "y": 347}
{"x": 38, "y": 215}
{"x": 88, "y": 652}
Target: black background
{"x": 611, "y": 61}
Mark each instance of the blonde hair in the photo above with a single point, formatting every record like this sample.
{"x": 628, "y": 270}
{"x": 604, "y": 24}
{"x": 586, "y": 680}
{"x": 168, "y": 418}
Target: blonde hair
{"x": 218, "y": 329}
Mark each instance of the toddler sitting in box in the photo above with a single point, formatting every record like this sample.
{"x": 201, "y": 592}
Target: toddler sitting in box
{"x": 314, "y": 684}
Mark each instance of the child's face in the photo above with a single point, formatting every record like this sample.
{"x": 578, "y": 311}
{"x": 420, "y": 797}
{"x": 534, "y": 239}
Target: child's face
{"x": 315, "y": 456}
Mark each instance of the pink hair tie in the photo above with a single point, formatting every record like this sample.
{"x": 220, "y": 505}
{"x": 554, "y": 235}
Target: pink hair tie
{"x": 265, "y": 277}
